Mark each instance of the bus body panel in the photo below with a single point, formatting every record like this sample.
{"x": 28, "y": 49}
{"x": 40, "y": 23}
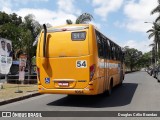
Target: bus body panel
{"x": 60, "y": 65}
{"x": 64, "y": 70}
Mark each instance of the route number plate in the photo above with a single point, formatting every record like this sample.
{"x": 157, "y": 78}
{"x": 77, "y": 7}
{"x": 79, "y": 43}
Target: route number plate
{"x": 81, "y": 63}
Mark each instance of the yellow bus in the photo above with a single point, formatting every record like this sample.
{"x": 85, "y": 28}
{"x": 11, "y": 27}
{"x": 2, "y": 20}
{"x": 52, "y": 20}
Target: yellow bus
{"x": 77, "y": 60}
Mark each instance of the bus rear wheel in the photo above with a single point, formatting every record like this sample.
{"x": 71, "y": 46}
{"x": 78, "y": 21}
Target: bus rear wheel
{"x": 109, "y": 92}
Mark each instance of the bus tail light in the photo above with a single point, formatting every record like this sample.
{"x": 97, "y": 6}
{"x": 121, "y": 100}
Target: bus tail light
{"x": 92, "y": 70}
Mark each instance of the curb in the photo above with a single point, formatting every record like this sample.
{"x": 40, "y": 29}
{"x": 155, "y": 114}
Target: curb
{"x": 127, "y": 72}
{"x": 18, "y": 98}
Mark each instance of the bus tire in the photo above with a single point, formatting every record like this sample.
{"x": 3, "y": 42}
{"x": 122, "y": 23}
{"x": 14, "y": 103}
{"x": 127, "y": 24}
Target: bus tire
{"x": 121, "y": 81}
{"x": 120, "y": 84}
{"x": 109, "y": 92}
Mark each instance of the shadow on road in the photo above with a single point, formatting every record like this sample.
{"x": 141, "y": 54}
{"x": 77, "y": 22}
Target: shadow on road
{"x": 121, "y": 95}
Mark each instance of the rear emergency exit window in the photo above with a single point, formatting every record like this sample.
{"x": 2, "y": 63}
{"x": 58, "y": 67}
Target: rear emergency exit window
{"x": 78, "y": 36}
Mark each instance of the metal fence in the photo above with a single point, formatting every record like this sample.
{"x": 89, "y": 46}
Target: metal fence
{"x": 29, "y": 79}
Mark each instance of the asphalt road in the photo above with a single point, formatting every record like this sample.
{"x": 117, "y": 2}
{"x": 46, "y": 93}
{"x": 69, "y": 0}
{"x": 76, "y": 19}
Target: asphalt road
{"x": 139, "y": 92}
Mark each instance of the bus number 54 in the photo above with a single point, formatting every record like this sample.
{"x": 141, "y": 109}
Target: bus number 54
{"x": 81, "y": 64}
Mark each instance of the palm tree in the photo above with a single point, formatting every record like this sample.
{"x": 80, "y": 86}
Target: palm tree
{"x": 82, "y": 19}
{"x": 152, "y": 52}
{"x": 68, "y": 21}
{"x": 155, "y": 32}
{"x": 156, "y": 10}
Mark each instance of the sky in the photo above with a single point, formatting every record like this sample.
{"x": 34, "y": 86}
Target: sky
{"x": 120, "y": 20}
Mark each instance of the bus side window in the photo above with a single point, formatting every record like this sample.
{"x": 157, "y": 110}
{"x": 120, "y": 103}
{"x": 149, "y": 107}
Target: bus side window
{"x": 103, "y": 43}
{"x": 105, "y": 48}
{"x": 112, "y": 51}
{"x": 116, "y": 52}
{"x": 121, "y": 56}
{"x": 108, "y": 49}
{"x": 100, "y": 45}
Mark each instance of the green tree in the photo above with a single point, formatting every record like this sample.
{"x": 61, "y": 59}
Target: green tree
{"x": 152, "y": 52}
{"x": 156, "y": 10}
{"x": 145, "y": 60}
{"x": 132, "y": 58}
{"x": 21, "y": 33}
{"x": 82, "y": 19}
{"x": 31, "y": 28}
{"x": 4, "y": 18}
{"x": 10, "y": 28}
{"x": 155, "y": 32}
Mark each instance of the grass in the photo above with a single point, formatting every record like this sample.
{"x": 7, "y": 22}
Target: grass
{"x": 8, "y": 91}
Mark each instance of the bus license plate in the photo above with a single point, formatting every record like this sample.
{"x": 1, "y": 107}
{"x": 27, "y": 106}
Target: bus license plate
{"x": 63, "y": 84}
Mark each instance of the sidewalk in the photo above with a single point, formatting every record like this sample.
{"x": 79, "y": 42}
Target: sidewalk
{"x": 8, "y": 93}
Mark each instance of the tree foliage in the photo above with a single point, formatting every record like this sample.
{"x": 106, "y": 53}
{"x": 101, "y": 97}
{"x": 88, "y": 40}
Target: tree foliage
{"x": 21, "y": 33}
{"x": 82, "y": 19}
{"x": 156, "y": 10}
{"x": 155, "y": 32}
{"x": 132, "y": 58}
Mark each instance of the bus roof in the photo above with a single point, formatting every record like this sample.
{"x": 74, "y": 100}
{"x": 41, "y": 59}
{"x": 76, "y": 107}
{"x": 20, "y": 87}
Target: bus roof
{"x": 71, "y": 27}
{"x": 61, "y": 26}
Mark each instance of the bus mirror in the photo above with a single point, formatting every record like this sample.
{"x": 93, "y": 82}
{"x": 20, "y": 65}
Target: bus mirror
{"x": 44, "y": 40}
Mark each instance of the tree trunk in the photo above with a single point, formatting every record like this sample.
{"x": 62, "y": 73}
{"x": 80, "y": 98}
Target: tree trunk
{"x": 156, "y": 54}
{"x": 158, "y": 51}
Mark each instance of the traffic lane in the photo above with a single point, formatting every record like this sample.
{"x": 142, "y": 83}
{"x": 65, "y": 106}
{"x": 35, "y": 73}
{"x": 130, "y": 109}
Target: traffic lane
{"x": 147, "y": 96}
{"x": 142, "y": 96}
{"x": 138, "y": 92}
{"x": 37, "y": 103}
{"x": 121, "y": 96}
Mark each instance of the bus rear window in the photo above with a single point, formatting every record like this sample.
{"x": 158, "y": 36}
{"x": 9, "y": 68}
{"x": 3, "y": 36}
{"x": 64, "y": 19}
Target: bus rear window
{"x": 66, "y": 44}
{"x": 78, "y": 36}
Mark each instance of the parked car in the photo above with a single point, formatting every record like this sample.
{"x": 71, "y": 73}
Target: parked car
{"x": 150, "y": 71}
{"x": 158, "y": 77}
{"x": 158, "y": 73}
{"x": 155, "y": 71}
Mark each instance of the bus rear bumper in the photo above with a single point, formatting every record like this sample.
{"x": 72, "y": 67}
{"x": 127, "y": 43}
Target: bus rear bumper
{"x": 85, "y": 91}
